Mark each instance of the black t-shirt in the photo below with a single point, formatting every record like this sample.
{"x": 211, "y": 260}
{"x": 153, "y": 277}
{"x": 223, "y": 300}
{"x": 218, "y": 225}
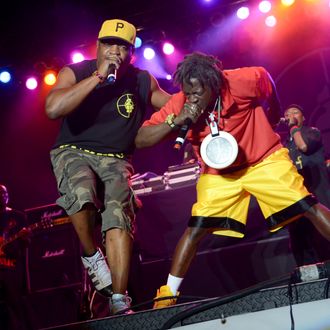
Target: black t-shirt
{"x": 108, "y": 119}
{"x": 311, "y": 165}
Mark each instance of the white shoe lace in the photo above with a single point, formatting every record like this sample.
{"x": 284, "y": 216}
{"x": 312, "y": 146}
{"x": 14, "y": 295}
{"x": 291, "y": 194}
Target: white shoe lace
{"x": 103, "y": 269}
{"x": 98, "y": 265}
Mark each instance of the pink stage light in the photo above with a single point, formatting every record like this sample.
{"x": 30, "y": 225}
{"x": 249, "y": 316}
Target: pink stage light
{"x": 31, "y": 83}
{"x": 265, "y": 6}
{"x": 271, "y": 21}
{"x": 149, "y": 53}
{"x": 243, "y": 13}
{"x": 77, "y": 57}
{"x": 168, "y": 48}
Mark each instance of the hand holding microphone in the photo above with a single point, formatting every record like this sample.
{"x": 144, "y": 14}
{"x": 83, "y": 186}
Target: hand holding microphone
{"x": 288, "y": 121}
{"x": 292, "y": 123}
{"x": 283, "y": 120}
{"x": 191, "y": 112}
{"x": 113, "y": 66}
{"x": 112, "y": 74}
{"x": 108, "y": 69}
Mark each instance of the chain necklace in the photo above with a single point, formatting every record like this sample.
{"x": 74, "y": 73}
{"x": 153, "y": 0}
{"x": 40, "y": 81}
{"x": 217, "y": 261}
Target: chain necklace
{"x": 214, "y": 127}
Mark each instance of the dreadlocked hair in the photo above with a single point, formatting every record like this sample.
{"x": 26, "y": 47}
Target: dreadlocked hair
{"x": 207, "y": 69}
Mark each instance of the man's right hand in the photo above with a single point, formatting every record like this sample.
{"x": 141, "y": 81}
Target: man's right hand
{"x": 189, "y": 110}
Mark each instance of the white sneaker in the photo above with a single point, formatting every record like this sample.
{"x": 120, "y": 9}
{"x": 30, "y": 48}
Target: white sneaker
{"x": 99, "y": 272}
{"x": 120, "y": 304}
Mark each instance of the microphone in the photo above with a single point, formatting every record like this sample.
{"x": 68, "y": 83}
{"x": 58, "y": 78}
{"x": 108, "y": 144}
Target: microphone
{"x": 112, "y": 75}
{"x": 283, "y": 120}
{"x": 182, "y": 133}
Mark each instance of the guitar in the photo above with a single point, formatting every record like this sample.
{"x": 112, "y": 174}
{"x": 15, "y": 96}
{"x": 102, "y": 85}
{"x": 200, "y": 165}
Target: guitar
{"x": 26, "y": 231}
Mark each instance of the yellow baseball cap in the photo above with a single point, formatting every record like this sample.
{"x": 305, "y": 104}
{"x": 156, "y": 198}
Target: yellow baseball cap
{"x": 118, "y": 29}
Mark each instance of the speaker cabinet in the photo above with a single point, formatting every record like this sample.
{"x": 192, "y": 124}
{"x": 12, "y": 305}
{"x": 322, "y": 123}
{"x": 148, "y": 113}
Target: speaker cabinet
{"x": 55, "y": 307}
{"x": 53, "y": 259}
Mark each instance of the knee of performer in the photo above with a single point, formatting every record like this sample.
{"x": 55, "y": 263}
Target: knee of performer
{"x": 195, "y": 234}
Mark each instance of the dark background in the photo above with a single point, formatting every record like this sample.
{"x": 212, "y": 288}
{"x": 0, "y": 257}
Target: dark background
{"x": 41, "y": 34}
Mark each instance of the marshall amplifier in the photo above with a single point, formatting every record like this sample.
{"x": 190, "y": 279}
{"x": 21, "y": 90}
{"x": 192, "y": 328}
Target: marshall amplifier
{"x": 53, "y": 254}
{"x": 45, "y": 215}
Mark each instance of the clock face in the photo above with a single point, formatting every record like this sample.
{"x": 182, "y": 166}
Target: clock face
{"x": 219, "y": 151}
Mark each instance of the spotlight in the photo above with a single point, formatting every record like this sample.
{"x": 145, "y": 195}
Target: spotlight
{"x": 287, "y": 2}
{"x": 271, "y": 21}
{"x": 138, "y": 42}
{"x": 31, "y": 83}
{"x": 168, "y": 48}
{"x": 77, "y": 57}
{"x": 50, "y": 78}
{"x": 243, "y": 13}
{"x": 265, "y": 6}
{"x": 149, "y": 53}
{"x": 5, "y": 77}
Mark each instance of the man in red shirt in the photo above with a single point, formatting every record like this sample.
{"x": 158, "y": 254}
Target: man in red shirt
{"x": 244, "y": 104}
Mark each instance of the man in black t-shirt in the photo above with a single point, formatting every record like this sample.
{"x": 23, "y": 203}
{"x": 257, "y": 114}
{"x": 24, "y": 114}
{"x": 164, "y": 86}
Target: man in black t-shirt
{"x": 307, "y": 153}
{"x": 102, "y": 103}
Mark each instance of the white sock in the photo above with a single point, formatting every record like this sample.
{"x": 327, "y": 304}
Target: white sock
{"x": 174, "y": 283}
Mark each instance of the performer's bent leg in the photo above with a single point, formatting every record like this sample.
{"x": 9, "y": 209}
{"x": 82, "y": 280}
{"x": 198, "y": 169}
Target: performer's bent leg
{"x": 319, "y": 215}
{"x": 185, "y": 250}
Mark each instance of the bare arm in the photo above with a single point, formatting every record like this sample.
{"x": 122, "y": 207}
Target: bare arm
{"x": 150, "y": 135}
{"x": 274, "y": 110}
{"x": 66, "y": 95}
{"x": 158, "y": 96}
{"x": 295, "y": 132}
{"x": 299, "y": 141}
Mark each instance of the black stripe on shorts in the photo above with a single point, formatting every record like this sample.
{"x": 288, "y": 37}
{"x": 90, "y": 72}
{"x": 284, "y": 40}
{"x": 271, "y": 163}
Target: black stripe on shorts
{"x": 292, "y": 211}
{"x": 216, "y": 223}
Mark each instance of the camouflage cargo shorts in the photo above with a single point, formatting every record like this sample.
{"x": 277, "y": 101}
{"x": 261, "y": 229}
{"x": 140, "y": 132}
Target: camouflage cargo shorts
{"x": 104, "y": 181}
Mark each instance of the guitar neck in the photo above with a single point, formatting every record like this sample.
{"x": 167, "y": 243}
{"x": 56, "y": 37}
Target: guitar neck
{"x": 43, "y": 224}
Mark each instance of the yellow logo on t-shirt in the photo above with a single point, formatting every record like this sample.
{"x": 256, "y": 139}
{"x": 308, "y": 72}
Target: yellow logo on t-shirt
{"x": 125, "y": 105}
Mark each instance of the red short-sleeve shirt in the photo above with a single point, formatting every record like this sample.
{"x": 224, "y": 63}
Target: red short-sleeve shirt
{"x": 242, "y": 115}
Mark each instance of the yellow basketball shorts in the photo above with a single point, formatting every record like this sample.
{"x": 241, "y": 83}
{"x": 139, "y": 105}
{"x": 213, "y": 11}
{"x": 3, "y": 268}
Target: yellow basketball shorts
{"x": 223, "y": 200}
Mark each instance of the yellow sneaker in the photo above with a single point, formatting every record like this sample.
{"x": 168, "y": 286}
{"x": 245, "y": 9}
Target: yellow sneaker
{"x": 164, "y": 291}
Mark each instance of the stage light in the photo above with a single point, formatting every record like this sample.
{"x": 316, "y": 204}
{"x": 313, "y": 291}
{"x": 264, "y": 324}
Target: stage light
{"x": 271, "y": 21}
{"x": 5, "y": 77}
{"x": 168, "y": 77}
{"x": 243, "y": 13}
{"x": 138, "y": 42}
{"x": 168, "y": 48}
{"x": 31, "y": 83}
{"x": 265, "y": 6}
{"x": 148, "y": 53}
{"x": 50, "y": 78}
{"x": 287, "y": 2}
{"x": 77, "y": 57}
